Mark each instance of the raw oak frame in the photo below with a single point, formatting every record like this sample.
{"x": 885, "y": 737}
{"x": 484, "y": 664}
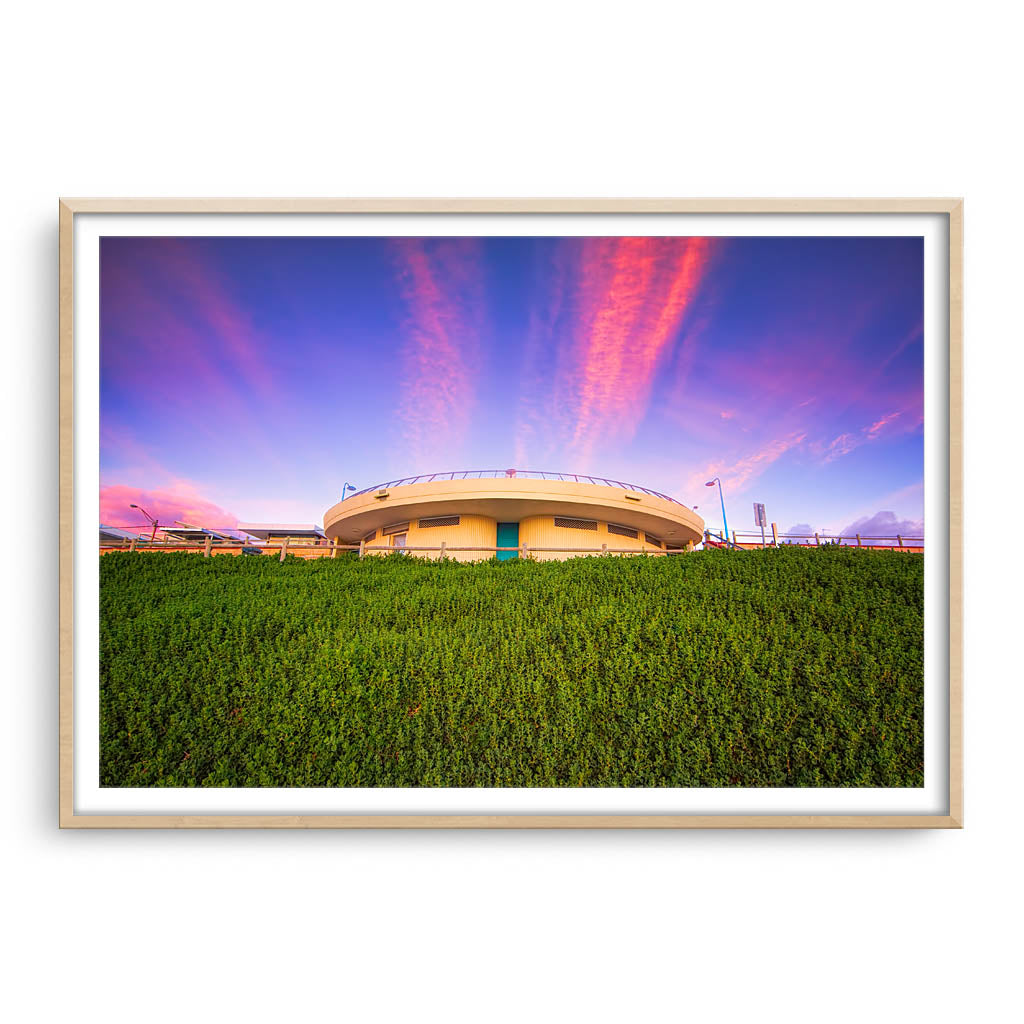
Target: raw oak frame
{"x": 952, "y": 208}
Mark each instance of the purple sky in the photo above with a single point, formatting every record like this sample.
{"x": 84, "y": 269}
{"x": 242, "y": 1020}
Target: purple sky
{"x": 249, "y": 378}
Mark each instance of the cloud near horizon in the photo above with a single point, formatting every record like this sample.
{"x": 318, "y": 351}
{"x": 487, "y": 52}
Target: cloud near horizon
{"x": 180, "y": 503}
{"x": 882, "y": 526}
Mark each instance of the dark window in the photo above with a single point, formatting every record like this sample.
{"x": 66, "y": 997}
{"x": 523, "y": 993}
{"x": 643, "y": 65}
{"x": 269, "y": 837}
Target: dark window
{"x": 372, "y": 535}
{"x": 622, "y": 531}
{"x": 396, "y": 528}
{"x": 653, "y": 540}
{"x": 439, "y": 521}
{"x": 575, "y": 524}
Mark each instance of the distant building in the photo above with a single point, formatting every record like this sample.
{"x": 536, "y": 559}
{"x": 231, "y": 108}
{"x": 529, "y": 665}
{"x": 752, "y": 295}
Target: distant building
{"x": 275, "y": 533}
{"x": 555, "y": 515}
{"x": 116, "y": 535}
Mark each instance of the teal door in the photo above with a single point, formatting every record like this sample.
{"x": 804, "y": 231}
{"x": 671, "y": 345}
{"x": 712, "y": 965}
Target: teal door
{"x": 508, "y": 537}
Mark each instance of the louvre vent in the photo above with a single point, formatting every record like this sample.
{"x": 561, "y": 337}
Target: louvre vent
{"x": 575, "y": 524}
{"x": 439, "y": 521}
{"x": 396, "y": 528}
{"x": 622, "y": 531}
{"x": 653, "y": 540}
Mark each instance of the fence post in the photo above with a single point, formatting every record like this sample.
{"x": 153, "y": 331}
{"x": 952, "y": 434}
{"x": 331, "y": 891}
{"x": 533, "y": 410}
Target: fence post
{"x": 284, "y": 549}
{"x": 525, "y": 551}
{"x": 207, "y": 546}
{"x": 443, "y": 546}
{"x": 817, "y": 542}
{"x": 604, "y": 549}
{"x": 899, "y": 540}
{"x": 858, "y": 540}
{"x": 334, "y": 546}
{"x": 131, "y": 546}
{"x": 362, "y": 547}
{"x": 775, "y": 536}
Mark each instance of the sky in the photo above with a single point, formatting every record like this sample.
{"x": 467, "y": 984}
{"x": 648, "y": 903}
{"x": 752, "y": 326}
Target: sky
{"x": 247, "y": 379}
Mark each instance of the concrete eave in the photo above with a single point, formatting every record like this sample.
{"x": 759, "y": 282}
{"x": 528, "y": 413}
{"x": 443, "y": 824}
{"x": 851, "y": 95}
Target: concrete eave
{"x": 512, "y": 500}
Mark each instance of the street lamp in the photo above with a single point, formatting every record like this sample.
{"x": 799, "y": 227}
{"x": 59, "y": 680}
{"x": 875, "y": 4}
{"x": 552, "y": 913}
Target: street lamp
{"x": 344, "y": 488}
{"x": 152, "y": 536}
{"x": 725, "y": 524}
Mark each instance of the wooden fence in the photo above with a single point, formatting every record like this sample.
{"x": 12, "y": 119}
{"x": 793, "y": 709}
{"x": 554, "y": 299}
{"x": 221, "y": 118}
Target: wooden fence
{"x": 282, "y": 549}
{"x": 772, "y": 538}
{"x": 212, "y": 545}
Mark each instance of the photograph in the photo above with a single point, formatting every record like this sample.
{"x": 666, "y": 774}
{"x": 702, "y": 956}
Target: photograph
{"x": 515, "y": 511}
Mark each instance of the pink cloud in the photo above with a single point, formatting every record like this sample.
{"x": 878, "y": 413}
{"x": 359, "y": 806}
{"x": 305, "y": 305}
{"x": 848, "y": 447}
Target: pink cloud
{"x": 207, "y": 297}
{"x": 736, "y": 475}
{"x": 876, "y": 427}
{"x": 616, "y": 306}
{"x": 184, "y": 339}
{"x": 442, "y": 286}
{"x": 180, "y": 502}
{"x": 848, "y": 442}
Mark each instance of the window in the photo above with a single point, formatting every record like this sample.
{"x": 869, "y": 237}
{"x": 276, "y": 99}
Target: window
{"x": 653, "y": 540}
{"x": 398, "y": 540}
{"x": 396, "y": 528}
{"x": 372, "y": 535}
{"x": 622, "y": 531}
{"x": 575, "y": 524}
{"x": 439, "y": 521}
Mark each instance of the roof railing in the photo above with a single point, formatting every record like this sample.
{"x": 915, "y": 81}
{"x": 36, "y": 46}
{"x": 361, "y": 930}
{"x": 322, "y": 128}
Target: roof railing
{"x": 529, "y": 474}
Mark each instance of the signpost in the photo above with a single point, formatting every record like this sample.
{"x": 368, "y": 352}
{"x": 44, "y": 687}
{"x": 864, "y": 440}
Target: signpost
{"x": 760, "y": 519}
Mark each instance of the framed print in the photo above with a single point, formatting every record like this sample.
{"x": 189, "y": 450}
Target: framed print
{"x": 510, "y": 513}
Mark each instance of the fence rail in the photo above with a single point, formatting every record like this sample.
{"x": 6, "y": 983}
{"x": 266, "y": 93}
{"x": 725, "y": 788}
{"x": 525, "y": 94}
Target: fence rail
{"x": 744, "y": 540}
{"x": 237, "y": 547}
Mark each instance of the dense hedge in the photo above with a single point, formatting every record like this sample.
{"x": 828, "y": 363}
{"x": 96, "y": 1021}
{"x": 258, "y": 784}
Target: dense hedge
{"x": 788, "y": 667}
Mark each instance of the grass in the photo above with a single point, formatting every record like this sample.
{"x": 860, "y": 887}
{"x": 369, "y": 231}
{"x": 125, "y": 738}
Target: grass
{"x": 789, "y": 667}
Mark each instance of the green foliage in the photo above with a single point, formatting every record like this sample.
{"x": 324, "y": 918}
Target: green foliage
{"x": 788, "y": 667}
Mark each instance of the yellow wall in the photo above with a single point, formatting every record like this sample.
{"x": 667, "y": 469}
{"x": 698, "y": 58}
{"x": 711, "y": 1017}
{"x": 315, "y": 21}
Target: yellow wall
{"x": 472, "y": 531}
{"x": 534, "y": 531}
{"x": 541, "y": 532}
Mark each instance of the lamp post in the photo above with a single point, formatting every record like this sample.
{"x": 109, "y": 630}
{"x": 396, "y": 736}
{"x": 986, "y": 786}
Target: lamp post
{"x": 152, "y": 536}
{"x": 344, "y": 488}
{"x": 725, "y": 524}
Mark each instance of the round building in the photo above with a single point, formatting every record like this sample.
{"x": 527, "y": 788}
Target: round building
{"x": 468, "y": 514}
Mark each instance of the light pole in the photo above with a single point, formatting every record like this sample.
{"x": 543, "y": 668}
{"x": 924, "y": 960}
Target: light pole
{"x": 152, "y": 536}
{"x": 725, "y": 524}
{"x": 344, "y": 488}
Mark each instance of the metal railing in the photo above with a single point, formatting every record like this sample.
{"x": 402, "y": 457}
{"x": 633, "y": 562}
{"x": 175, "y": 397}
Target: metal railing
{"x": 512, "y": 474}
{"x": 742, "y": 540}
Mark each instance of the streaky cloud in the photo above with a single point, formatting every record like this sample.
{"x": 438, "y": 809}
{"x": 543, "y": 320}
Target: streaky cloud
{"x": 441, "y": 284}
{"x": 609, "y": 314}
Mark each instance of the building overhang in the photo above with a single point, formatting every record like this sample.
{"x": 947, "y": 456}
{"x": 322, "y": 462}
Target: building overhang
{"x": 512, "y": 500}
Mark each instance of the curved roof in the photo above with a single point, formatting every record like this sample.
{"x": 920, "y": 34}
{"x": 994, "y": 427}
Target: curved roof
{"x": 511, "y": 474}
{"x": 512, "y": 498}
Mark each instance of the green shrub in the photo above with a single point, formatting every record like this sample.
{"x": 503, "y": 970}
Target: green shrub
{"x": 788, "y": 667}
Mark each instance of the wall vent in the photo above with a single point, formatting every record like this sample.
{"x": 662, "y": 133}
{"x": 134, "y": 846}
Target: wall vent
{"x": 653, "y": 540}
{"x": 372, "y": 535}
{"x": 396, "y": 528}
{"x": 426, "y": 524}
{"x": 575, "y": 524}
{"x": 622, "y": 531}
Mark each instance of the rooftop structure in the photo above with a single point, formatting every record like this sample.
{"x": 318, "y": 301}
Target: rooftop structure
{"x": 275, "y": 532}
